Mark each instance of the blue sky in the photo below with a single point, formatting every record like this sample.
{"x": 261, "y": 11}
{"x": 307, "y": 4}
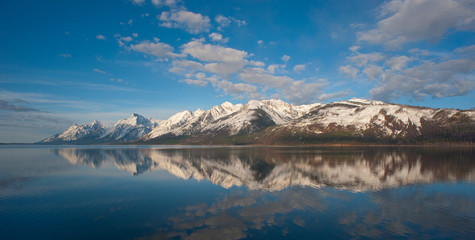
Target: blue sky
{"x": 64, "y": 62}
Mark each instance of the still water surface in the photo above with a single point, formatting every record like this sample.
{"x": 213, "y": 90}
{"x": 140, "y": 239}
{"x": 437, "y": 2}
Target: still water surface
{"x": 129, "y": 192}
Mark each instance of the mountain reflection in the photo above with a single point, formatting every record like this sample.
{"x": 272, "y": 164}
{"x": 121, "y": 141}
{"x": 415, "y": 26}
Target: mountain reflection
{"x": 276, "y": 168}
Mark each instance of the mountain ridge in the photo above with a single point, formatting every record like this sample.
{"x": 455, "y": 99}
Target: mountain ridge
{"x": 277, "y": 122}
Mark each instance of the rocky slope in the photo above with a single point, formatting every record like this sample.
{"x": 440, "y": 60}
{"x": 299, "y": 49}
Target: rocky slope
{"x": 277, "y": 122}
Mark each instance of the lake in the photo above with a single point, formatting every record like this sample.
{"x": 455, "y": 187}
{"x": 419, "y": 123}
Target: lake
{"x": 199, "y": 192}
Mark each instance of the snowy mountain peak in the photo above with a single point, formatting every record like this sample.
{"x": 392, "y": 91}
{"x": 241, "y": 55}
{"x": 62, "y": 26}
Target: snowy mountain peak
{"x": 180, "y": 118}
{"x": 356, "y": 117}
{"x": 78, "y": 132}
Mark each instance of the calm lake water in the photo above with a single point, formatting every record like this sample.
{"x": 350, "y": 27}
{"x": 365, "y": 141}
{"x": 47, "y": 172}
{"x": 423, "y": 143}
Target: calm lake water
{"x": 130, "y": 192}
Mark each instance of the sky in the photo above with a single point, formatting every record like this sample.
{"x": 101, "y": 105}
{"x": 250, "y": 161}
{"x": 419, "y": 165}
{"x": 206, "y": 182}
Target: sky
{"x": 75, "y": 61}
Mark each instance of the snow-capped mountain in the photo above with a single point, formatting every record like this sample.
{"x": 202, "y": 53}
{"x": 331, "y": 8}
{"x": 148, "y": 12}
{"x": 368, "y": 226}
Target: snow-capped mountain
{"x": 256, "y": 116}
{"x": 275, "y": 121}
{"x": 361, "y": 118}
{"x": 124, "y": 130}
{"x": 77, "y": 133}
{"x": 188, "y": 123}
{"x": 278, "y": 168}
{"x": 130, "y": 129}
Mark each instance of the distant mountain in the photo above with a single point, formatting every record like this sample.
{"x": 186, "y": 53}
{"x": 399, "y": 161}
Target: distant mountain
{"x": 124, "y": 130}
{"x": 78, "y": 134}
{"x": 277, "y": 122}
{"x": 130, "y": 129}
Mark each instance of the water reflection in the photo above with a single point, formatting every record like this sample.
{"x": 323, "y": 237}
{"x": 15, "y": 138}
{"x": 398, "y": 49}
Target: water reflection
{"x": 277, "y": 168}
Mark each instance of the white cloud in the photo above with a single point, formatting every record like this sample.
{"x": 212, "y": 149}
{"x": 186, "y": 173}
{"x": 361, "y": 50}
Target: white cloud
{"x": 373, "y": 71}
{"x": 213, "y": 53}
{"x": 189, "y": 64}
{"x": 222, "y": 21}
{"x": 354, "y": 48}
{"x": 169, "y": 3}
{"x": 260, "y": 42}
{"x": 339, "y": 94}
{"x": 414, "y": 20}
{"x": 123, "y": 40}
{"x": 218, "y": 38}
{"x": 261, "y": 76}
{"x": 437, "y": 79}
{"x": 398, "y": 63}
{"x": 277, "y": 68}
{"x": 363, "y": 59}
{"x": 235, "y": 89}
{"x": 224, "y": 68}
{"x": 100, "y": 71}
{"x": 191, "y": 22}
{"x": 467, "y": 49}
{"x": 299, "y": 68}
{"x": 157, "y": 49}
{"x": 101, "y": 37}
{"x": 65, "y": 55}
{"x": 130, "y": 21}
{"x": 257, "y": 63}
{"x": 421, "y": 52}
{"x": 177, "y": 70}
{"x": 226, "y": 21}
{"x": 349, "y": 70}
{"x": 285, "y": 58}
{"x": 135, "y": 34}
{"x": 138, "y": 2}
{"x": 300, "y": 92}
{"x": 198, "y": 82}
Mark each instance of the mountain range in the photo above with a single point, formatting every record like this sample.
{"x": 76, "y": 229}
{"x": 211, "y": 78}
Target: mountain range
{"x": 278, "y": 122}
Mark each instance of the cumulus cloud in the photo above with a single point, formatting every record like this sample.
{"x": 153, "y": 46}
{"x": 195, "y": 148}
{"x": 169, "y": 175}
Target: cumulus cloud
{"x": 189, "y": 64}
{"x": 197, "y": 82}
{"x": 277, "y": 68}
{"x": 169, "y": 3}
{"x": 437, "y": 79}
{"x": 235, "y": 89}
{"x": 193, "y": 23}
{"x": 300, "y": 92}
{"x": 257, "y": 63}
{"x": 365, "y": 58}
{"x": 222, "y": 21}
{"x": 373, "y": 71}
{"x": 414, "y": 20}
{"x": 226, "y": 21}
{"x": 213, "y": 53}
{"x": 261, "y": 76}
{"x": 224, "y": 68}
{"x": 101, "y": 37}
{"x": 138, "y": 2}
{"x": 285, "y": 58}
{"x": 123, "y": 40}
{"x": 218, "y": 38}
{"x": 349, "y": 71}
{"x": 398, "y": 62}
{"x": 157, "y": 49}
{"x": 299, "y": 68}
